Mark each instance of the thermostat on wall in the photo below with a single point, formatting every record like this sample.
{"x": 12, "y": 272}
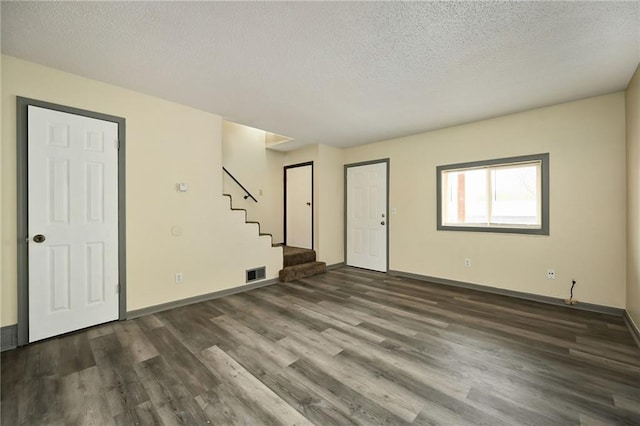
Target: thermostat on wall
{"x": 182, "y": 187}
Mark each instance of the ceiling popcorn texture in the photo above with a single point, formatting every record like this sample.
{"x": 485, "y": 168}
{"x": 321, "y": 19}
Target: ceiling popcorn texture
{"x": 343, "y": 73}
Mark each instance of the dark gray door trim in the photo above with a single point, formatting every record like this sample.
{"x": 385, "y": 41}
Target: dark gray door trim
{"x": 346, "y": 201}
{"x": 23, "y": 206}
{"x": 313, "y": 231}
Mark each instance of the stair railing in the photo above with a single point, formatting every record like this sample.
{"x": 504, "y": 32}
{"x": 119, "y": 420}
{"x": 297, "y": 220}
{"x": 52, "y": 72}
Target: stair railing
{"x": 247, "y": 193}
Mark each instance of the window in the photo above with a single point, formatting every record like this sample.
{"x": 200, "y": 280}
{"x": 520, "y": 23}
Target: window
{"x": 504, "y": 195}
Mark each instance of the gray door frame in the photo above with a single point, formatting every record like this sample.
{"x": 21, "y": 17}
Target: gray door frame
{"x": 23, "y": 206}
{"x": 346, "y": 201}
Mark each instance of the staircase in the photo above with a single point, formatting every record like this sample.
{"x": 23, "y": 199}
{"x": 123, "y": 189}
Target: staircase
{"x": 299, "y": 263}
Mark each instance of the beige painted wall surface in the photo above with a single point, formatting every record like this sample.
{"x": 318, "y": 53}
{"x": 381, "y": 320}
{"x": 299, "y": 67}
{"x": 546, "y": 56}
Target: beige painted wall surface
{"x": 258, "y": 169}
{"x": 166, "y": 143}
{"x": 330, "y": 218}
{"x": 586, "y": 143}
{"x": 633, "y": 197}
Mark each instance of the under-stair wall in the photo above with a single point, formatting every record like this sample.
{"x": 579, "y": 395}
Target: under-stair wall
{"x": 259, "y": 169}
{"x": 252, "y": 246}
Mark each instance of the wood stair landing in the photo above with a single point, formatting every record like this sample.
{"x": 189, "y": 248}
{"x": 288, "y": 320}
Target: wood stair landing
{"x": 299, "y": 263}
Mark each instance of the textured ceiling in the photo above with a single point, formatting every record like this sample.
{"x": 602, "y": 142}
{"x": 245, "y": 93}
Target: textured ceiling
{"x": 341, "y": 74}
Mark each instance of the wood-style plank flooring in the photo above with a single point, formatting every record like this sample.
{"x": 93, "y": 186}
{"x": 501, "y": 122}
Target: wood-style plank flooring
{"x": 346, "y": 347}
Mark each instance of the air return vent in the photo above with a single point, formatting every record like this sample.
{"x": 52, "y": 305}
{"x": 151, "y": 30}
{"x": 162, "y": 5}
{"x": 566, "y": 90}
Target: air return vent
{"x": 256, "y": 274}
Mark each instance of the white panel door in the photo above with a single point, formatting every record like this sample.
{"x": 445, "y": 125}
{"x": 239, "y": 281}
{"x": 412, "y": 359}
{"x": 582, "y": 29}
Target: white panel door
{"x": 366, "y": 216}
{"x": 73, "y": 222}
{"x": 299, "y": 207}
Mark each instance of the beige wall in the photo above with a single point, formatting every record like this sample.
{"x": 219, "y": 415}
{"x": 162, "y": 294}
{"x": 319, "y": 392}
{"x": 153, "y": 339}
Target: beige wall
{"x": 586, "y": 143}
{"x": 330, "y": 218}
{"x": 633, "y": 197}
{"x": 260, "y": 171}
{"x": 166, "y": 143}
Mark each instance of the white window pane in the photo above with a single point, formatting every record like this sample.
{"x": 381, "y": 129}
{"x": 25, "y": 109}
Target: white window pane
{"x": 451, "y": 197}
{"x": 515, "y": 195}
{"x": 475, "y": 198}
{"x": 466, "y": 197}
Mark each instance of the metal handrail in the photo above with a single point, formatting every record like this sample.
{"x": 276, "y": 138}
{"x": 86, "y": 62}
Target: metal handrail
{"x": 248, "y": 194}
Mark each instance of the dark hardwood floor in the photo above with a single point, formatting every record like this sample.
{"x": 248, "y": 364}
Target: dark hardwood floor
{"x": 346, "y": 347}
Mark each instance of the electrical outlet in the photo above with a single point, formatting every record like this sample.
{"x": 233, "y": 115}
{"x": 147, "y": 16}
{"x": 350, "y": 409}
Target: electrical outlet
{"x": 179, "y": 278}
{"x": 551, "y": 274}
{"x": 467, "y": 262}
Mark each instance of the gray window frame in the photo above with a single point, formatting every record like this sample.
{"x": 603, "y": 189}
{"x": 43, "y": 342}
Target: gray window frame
{"x": 544, "y": 196}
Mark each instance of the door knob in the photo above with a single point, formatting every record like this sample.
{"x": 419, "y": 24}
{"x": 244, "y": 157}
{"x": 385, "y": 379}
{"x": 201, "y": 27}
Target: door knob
{"x": 382, "y": 223}
{"x": 39, "y": 238}
{"x": 308, "y": 204}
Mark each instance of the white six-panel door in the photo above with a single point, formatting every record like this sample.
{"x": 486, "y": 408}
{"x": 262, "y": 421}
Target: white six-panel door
{"x": 299, "y": 206}
{"x": 366, "y": 216}
{"x": 73, "y": 212}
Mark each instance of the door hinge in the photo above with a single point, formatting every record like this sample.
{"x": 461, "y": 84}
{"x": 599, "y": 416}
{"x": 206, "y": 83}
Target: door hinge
{"x": 118, "y": 288}
{"x": 118, "y": 144}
